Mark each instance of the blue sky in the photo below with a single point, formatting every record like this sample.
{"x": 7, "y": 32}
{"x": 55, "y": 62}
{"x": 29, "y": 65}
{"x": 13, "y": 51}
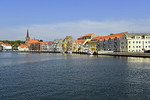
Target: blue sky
{"x": 52, "y": 19}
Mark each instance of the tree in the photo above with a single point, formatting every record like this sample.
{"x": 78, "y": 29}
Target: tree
{"x": 111, "y": 34}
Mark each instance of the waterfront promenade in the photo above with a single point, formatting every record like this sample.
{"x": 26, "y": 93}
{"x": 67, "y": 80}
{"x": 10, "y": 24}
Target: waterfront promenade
{"x": 124, "y": 54}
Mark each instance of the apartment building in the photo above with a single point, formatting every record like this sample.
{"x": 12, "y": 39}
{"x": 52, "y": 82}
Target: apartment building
{"x": 110, "y": 43}
{"x": 135, "y": 42}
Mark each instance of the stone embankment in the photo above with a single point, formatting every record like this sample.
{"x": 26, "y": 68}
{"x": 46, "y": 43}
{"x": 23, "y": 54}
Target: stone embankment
{"x": 125, "y": 54}
{"x": 109, "y": 53}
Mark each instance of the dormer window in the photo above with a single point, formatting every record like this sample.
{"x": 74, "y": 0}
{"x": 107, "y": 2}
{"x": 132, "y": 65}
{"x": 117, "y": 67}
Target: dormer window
{"x": 137, "y": 37}
{"x": 147, "y": 37}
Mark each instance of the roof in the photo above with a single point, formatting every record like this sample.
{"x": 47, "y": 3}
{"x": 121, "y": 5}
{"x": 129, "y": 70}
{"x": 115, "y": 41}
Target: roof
{"x": 137, "y": 34}
{"x": 23, "y": 46}
{"x": 33, "y": 41}
{"x": 89, "y": 34}
{"x": 6, "y": 44}
{"x": 47, "y": 42}
{"x": 118, "y": 35}
{"x": 80, "y": 41}
{"x": 80, "y": 38}
{"x": 95, "y": 39}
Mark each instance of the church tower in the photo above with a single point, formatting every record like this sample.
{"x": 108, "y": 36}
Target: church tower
{"x": 27, "y": 38}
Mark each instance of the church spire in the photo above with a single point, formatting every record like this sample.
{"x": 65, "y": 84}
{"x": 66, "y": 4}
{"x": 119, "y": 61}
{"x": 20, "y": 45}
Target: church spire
{"x": 27, "y": 38}
{"x": 27, "y": 33}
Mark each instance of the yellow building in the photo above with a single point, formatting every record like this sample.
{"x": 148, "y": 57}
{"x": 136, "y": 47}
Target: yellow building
{"x": 83, "y": 42}
{"x": 68, "y": 44}
{"x": 93, "y": 44}
{"x": 135, "y": 42}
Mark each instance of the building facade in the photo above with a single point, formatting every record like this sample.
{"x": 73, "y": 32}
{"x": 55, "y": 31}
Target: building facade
{"x": 110, "y": 43}
{"x": 135, "y": 42}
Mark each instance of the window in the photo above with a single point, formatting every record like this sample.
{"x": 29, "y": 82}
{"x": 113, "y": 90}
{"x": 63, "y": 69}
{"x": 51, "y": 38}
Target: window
{"x": 133, "y": 41}
{"x": 122, "y": 42}
{"x": 137, "y": 37}
{"x": 147, "y": 37}
{"x": 139, "y": 46}
{"x": 133, "y": 46}
{"x": 129, "y": 42}
{"x": 145, "y": 46}
{"x": 139, "y": 41}
{"x": 148, "y": 41}
{"x": 129, "y": 46}
{"x": 145, "y": 41}
{"x": 136, "y": 41}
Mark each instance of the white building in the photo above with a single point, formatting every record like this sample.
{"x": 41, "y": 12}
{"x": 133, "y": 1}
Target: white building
{"x": 6, "y": 46}
{"x": 56, "y": 45}
{"x": 23, "y": 48}
{"x": 46, "y": 45}
{"x": 135, "y": 42}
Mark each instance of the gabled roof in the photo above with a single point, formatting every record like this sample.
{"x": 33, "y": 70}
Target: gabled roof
{"x": 137, "y": 34}
{"x": 23, "y": 46}
{"x": 96, "y": 39}
{"x": 80, "y": 41}
{"x": 118, "y": 35}
{"x": 33, "y": 41}
{"x": 85, "y": 36}
{"x": 47, "y": 42}
{"x": 89, "y": 34}
{"x": 6, "y": 44}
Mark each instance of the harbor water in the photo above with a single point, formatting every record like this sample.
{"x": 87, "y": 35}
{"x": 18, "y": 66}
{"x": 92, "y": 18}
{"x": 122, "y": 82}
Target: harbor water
{"x": 46, "y": 76}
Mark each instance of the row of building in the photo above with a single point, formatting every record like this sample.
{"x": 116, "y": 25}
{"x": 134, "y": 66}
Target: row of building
{"x": 120, "y": 42}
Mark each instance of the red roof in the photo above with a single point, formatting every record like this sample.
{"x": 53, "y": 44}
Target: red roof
{"x": 6, "y": 44}
{"x": 47, "y": 42}
{"x": 95, "y": 39}
{"x": 80, "y": 41}
{"x": 89, "y": 34}
{"x": 118, "y": 35}
{"x": 85, "y": 36}
{"x": 33, "y": 41}
{"x": 23, "y": 46}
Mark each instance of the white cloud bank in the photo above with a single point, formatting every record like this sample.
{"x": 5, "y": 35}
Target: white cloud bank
{"x": 75, "y": 29}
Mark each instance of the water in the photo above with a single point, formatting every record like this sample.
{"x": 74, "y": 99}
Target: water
{"x": 73, "y": 77}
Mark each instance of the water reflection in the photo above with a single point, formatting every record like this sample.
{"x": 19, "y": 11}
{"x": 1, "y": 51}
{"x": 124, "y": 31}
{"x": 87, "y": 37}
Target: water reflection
{"x": 73, "y": 77}
{"x": 140, "y": 60}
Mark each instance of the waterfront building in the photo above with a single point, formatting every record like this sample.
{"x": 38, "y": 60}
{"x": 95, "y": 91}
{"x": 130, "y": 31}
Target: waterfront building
{"x": 34, "y": 45}
{"x": 83, "y": 42}
{"x": 93, "y": 44}
{"x": 23, "y": 47}
{"x": 68, "y": 44}
{"x": 46, "y": 45}
{"x": 6, "y": 46}
{"x": 56, "y": 45}
{"x": 110, "y": 43}
{"x": 135, "y": 42}
{"x": 1, "y": 47}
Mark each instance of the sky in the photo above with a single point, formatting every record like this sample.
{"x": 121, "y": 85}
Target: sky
{"x": 54, "y": 19}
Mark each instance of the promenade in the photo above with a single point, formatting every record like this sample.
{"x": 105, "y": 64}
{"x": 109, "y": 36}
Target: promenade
{"x": 124, "y": 54}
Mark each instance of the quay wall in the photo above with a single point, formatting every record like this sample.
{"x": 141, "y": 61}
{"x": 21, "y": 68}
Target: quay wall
{"x": 126, "y": 54}
{"x": 109, "y": 53}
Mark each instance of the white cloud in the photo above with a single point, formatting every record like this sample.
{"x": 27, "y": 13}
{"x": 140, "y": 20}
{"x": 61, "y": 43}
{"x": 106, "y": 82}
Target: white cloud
{"x": 75, "y": 29}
